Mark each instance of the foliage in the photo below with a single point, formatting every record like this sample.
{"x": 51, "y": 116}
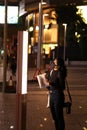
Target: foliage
{"x": 76, "y": 28}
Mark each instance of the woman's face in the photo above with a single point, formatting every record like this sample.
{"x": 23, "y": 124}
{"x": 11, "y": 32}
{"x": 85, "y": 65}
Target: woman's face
{"x": 55, "y": 62}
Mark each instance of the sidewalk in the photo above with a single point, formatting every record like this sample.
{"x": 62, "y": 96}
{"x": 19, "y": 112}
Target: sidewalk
{"x": 76, "y": 120}
{"x": 38, "y": 116}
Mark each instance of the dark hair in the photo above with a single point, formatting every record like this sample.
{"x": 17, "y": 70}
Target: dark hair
{"x": 61, "y": 62}
{"x": 62, "y": 67}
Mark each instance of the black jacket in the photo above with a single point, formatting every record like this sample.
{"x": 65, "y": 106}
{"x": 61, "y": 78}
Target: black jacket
{"x": 56, "y": 78}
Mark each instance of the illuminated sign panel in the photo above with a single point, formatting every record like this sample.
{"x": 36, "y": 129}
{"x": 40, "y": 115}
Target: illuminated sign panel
{"x": 24, "y": 62}
{"x": 12, "y": 14}
{"x": 22, "y": 9}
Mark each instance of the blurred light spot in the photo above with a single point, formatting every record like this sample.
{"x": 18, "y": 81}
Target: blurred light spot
{"x": 86, "y": 121}
{"x": 84, "y": 128}
{"x": 80, "y": 107}
{"x": 45, "y": 119}
{"x": 41, "y": 125}
{"x": 11, "y": 127}
{"x": 2, "y": 112}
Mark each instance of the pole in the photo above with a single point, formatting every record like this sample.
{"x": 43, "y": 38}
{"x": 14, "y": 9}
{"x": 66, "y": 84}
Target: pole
{"x": 65, "y": 27}
{"x": 21, "y": 89}
{"x": 40, "y": 35}
{"x": 5, "y": 49}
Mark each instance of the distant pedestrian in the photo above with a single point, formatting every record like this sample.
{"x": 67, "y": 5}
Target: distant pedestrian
{"x": 13, "y": 62}
{"x": 56, "y": 88}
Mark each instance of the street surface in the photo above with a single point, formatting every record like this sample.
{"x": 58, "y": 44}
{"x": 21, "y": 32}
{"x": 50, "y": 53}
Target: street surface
{"x": 38, "y": 116}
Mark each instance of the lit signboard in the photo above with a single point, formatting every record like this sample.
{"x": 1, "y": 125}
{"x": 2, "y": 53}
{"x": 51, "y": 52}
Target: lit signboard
{"x": 12, "y": 14}
{"x": 24, "y": 62}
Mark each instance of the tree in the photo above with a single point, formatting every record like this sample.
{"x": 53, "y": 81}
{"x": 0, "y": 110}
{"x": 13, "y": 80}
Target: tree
{"x": 75, "y": 25}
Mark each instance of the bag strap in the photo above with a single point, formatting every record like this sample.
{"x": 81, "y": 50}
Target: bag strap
{"x": 67, "y": 88}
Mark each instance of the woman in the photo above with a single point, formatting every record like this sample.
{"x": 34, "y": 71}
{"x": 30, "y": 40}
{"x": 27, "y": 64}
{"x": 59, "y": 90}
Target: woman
{"x": 57, "y": 86}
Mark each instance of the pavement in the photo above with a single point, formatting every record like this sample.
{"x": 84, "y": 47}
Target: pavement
{"x": 38, "y": 116}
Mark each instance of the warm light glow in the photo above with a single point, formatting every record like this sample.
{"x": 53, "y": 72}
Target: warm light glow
{"x": 24, "y": 62}
{"x": 2, "y": 51}
{"x": 29, "y": 49}
{"x": 43, "y": 3}
{"x": 47, "y": 47}
{"x": 64, "y": 24}
{"x": 37, "y": 28}
{"x": 83, "y": 11}
{"x": 44, "y": 15}
{"x": 76, "y": 33}
{"x": 47, "y": 26}
{"x": 31, "y": 29}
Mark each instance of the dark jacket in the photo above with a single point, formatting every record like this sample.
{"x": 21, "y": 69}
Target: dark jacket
{"x": 56, "y": 78}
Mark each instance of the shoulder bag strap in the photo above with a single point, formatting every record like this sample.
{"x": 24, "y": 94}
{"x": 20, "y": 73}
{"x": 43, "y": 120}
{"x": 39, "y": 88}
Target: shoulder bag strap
{"x": 67, "y": 88}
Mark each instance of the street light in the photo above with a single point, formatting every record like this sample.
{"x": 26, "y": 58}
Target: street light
{"x": 65, "y": 28}
{"x": 40, "y": 34}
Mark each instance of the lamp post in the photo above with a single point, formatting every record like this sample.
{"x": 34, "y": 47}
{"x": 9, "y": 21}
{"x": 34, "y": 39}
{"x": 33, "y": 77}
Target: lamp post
{"x": 65, "y": 28}
{"x": 40, "y": 35}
